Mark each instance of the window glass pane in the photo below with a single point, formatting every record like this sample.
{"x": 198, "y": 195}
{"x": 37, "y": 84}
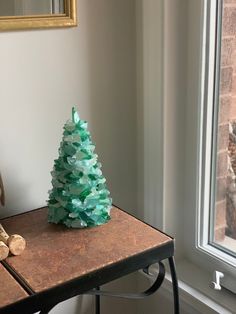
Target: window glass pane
{"x": 224, "y": 180}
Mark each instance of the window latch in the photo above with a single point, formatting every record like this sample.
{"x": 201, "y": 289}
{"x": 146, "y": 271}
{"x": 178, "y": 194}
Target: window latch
{"x": 215, "y": 284}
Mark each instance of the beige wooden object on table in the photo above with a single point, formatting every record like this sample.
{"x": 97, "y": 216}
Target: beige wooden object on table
{"x": 15, "y": 242}
{"x": 4, "y": 251}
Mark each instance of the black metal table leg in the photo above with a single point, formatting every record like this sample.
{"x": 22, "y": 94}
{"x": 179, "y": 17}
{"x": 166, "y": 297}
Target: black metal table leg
{"x": 97, "y": 302}
{"x": 174, "y": 284}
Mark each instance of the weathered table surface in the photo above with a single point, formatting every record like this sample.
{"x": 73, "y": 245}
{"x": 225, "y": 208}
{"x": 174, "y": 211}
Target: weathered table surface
{"x": 10, "y": 290}
{"x": 56, "y": 256}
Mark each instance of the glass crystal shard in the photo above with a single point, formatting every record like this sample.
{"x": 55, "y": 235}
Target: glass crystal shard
{"x": 79, "y": 196}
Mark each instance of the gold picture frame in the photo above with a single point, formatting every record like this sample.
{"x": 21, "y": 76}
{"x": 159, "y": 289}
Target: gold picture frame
{"x": 67, "y": 19}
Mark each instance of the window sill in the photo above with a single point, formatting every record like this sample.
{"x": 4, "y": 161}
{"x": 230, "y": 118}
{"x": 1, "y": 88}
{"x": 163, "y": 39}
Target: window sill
{"x": 195, "y": 294}
{"x": 195, "y": 282}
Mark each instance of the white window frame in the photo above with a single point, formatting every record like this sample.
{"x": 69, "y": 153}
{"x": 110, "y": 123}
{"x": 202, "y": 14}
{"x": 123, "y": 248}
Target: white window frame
{"x": 199, "y": 251}
{"x": 208, "y": 139}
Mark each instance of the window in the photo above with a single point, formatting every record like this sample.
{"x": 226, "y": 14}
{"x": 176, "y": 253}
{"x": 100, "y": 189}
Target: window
{"x": 223, "y": 217}
{"x": 216, "y": 235}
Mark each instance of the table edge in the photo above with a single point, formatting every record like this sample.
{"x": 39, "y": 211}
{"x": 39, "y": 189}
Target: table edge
{"x": 83, "y": 284}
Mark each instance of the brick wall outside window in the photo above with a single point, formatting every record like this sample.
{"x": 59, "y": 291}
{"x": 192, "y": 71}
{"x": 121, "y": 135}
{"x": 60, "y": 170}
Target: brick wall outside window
{"x": 225, "y": 209}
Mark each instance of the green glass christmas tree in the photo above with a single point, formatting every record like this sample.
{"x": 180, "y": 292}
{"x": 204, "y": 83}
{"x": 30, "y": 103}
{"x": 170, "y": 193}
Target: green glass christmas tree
{"x": 79, "y": 197}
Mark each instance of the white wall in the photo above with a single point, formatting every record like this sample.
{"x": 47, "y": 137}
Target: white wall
{"x": 45, "y": 72}
{"x": 42, "y": 74}
{"x": 149, "y": 26}
{"x": 161, "y": 90}
{"x": 161, "y": 81}
{"x": 162, "y": 66}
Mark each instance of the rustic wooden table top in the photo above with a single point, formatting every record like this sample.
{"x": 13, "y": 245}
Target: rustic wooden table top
{"x": 10, "y": 291}
{"x": 55, "y": 254}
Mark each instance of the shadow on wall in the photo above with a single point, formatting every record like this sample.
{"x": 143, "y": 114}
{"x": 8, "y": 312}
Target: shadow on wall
{"x": 112, "y": 91}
